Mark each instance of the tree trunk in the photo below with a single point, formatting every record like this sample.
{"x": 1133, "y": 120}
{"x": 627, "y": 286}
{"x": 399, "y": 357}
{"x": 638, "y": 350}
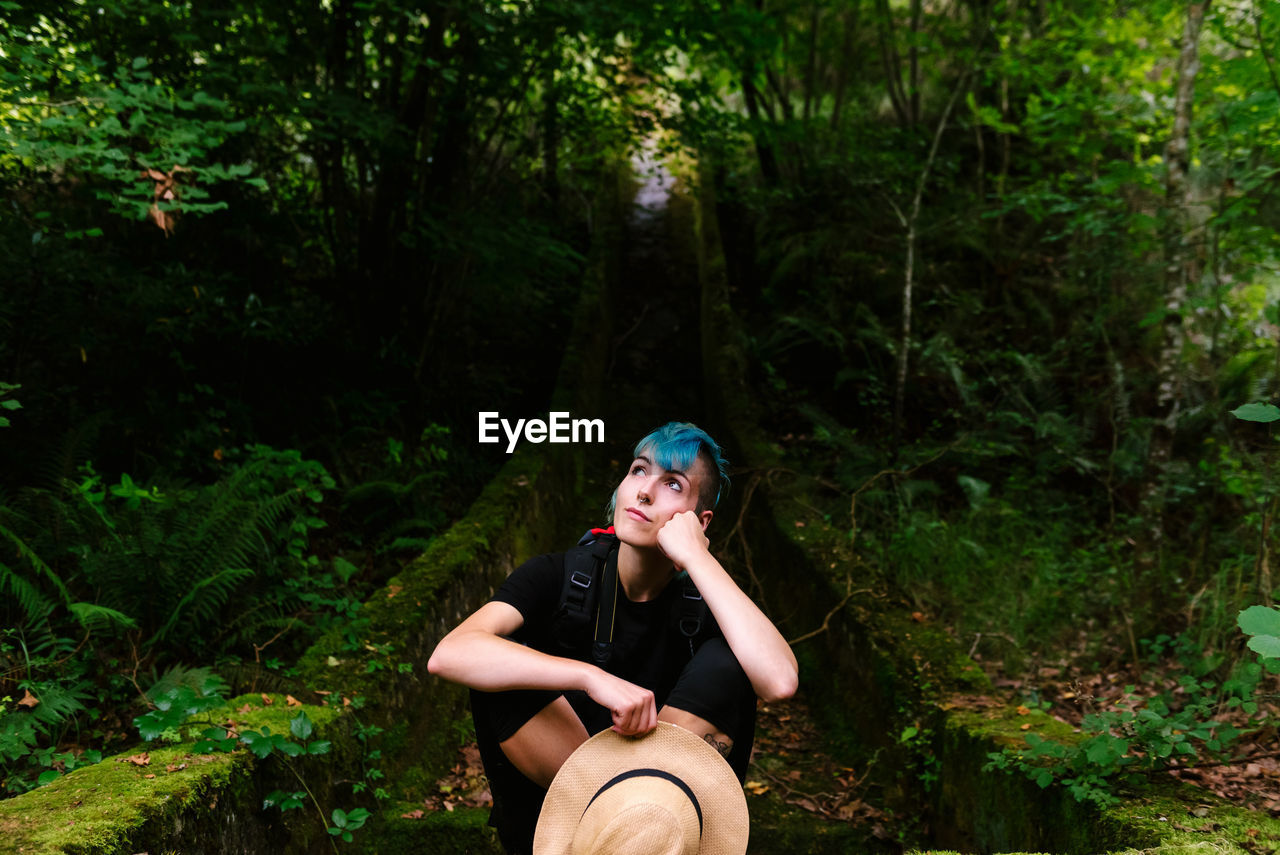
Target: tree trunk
{"x": 764, "y": 150}
{"x": 847, "y": 61}
{"x": 1181, "y": 270}
{"x": 889, "y": 59}
{"x": 913, "y": 60}
{"x": 910, "y": 221}
{"x": 551, "y": 130}
{"x": 811, "y": 67}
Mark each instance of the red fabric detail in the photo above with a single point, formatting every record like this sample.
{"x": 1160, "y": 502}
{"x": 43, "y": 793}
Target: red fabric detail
{"x": 608, "y": 530}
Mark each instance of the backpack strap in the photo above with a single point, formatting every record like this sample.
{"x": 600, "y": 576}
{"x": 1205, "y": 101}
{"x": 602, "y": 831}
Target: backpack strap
{"x": 585, "y": 575}
{"x": 602, "y": 646}
{"x": 691, "y": 614}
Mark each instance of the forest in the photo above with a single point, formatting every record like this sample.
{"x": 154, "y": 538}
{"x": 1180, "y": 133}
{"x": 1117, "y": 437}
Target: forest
{"x": 1005, "y": 277}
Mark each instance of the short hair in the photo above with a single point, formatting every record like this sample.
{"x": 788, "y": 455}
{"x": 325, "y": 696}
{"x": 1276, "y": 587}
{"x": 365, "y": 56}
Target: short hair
{"x": 675, "y": 446}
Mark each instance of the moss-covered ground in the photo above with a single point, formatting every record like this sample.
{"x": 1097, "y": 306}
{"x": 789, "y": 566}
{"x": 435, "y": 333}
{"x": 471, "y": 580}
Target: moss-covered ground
{"x": 112, "y": 806}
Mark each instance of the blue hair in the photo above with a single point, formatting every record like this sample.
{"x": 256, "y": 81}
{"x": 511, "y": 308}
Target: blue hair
{"x": 675, "y": 446}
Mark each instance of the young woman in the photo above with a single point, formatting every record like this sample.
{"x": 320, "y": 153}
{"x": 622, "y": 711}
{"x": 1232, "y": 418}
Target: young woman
{"x": 539, "y": 690}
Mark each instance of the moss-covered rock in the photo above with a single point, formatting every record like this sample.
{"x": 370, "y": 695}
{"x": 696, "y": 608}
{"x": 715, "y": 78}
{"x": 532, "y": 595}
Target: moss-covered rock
{"x": 462, "y": 831}
{"x": 173, "y": 799}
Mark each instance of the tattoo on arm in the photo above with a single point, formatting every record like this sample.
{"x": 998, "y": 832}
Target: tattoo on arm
{"x": 721, "y": 746}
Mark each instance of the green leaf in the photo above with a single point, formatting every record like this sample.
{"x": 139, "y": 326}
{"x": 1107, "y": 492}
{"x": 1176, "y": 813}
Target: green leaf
{"x": 48, "y": 777}
{"x": 344, "y": 568}
{"x": 320, "y": 746}
{"x": 1257, "y": 413}
{"x": 300, "y": 726}
{"x": 1259, "y": 620}
{"x": 1266, "y": 646}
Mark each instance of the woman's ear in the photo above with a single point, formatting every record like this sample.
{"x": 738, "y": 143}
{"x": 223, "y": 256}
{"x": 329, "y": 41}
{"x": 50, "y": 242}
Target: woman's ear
{"x": 705, "y": 519}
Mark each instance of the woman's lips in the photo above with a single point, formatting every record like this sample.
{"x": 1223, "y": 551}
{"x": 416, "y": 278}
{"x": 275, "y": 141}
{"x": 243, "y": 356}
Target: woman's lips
{"x": 638, "y": 515}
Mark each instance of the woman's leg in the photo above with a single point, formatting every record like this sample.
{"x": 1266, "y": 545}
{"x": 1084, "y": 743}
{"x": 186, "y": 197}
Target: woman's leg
{"x": 540, "y": 747}
{"x": 714, "y": 700}
{"x": 532, "y": 726}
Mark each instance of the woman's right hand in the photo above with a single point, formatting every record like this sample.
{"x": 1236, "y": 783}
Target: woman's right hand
{"x": 633, "y": 707}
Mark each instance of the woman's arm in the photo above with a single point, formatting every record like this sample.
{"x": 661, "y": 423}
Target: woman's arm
{"x": 477, "y": 655}
{"x": 760, "y": 649}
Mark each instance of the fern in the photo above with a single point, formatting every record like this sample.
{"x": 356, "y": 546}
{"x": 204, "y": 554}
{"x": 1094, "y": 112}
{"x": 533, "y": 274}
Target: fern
{"x": 33, "y": 604}
{"x": 57, "y": 703}
{"x": 24, "y": 551}
{"x": 205, "y": 681}
{"x": 93, "y": 616}
{"x": 204, "y": 600}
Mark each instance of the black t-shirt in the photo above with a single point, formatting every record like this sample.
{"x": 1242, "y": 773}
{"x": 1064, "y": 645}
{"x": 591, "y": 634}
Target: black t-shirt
{"x": 647, "y": 648}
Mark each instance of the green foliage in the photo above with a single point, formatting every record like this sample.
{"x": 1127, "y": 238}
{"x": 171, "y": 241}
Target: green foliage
{"x": 1257, "y": 412}
{"x": 7, "y": 403}
{"x": 1262, "y": 625}
{"x": 1128, "y": 740}
{"x": 77, "y": 115}
{"x": 345, "y": 822}
{"x": 174, "y": 704}
{"x": 161, "y": 573}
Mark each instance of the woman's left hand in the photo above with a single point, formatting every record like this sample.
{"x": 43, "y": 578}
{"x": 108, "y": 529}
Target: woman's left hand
{"x": 682, "y": 539}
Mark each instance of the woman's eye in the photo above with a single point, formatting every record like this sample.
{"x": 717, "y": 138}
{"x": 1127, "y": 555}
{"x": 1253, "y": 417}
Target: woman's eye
{"x": 675, "y": 485}
{"x": 637, "y": 470}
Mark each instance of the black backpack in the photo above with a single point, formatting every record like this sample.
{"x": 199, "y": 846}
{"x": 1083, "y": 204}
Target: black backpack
{"x": 588, "y": 598}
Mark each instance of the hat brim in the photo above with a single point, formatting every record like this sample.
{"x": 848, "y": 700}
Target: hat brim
{"x": 669, "y": 749}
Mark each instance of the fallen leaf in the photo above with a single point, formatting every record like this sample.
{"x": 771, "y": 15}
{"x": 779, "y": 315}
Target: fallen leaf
{"x": 392, "y": 590}
{"x": 1023, "y": 711}
{"x": 172, "y": 768}
{"x": 1026, "y": 726}
{"x": 152, "y": 775}
{"x": 291, "y": 701}
{"x": 246, "y": 708}
{"x": 143, "y": 759}
{"x": 918, "y": 617}
{"x": 28, "y": 699}
{"x": 756, "y": 788}
{"x": 266, "y": 699}
{"x": 413, "y": 814}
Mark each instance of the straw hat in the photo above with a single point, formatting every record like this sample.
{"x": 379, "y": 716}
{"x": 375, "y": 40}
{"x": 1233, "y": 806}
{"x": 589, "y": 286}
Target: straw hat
{"x": 666, "y": 793}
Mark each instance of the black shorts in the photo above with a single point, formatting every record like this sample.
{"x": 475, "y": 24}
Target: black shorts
{"x": 711, "y": 686}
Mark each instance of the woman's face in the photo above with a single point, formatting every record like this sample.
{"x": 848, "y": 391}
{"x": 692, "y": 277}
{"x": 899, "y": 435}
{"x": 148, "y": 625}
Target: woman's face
{"x": 650, "y": 495}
